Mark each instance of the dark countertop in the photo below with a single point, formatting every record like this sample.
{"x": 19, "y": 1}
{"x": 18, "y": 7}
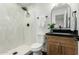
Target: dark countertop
{"x": 64, "y": 32}
{"x": 61, "y": 34}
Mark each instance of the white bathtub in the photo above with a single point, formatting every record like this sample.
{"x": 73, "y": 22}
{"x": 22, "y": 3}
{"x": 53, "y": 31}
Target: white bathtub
{"x": 21, "y": 50}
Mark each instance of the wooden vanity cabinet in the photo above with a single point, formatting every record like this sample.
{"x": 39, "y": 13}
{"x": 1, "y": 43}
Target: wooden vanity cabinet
{"x": 59, "y": 45}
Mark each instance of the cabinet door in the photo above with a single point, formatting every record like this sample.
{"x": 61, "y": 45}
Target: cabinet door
{"x": 53, "y": 48}
{"x": 69, "y": 47}
{"x": 69, "y": 50}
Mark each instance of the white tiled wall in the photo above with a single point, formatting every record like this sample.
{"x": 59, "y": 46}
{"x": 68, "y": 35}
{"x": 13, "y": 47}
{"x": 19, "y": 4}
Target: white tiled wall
{"x": 11, "y": 27}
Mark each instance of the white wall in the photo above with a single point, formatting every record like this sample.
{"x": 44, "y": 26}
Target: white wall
{"x": 74, "y": 7}
{"x": 12, "y": 27}
{"x": 38, "y": 10}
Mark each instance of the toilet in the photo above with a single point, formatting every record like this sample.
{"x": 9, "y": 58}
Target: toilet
{"x": 36, "y": 48}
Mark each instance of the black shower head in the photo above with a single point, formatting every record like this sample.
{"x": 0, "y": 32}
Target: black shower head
{"x": 24, "y": 8}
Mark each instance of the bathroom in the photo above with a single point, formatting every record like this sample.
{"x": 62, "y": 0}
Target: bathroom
{"x": 24, "y": 24}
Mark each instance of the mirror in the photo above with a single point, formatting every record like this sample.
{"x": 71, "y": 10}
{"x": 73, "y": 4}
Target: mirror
{"x": 61, "y": 15}
{"x": 59, "y": 20}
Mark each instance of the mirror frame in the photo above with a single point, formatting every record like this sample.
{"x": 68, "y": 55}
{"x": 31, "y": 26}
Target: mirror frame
{"x": 67, "y": 6}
